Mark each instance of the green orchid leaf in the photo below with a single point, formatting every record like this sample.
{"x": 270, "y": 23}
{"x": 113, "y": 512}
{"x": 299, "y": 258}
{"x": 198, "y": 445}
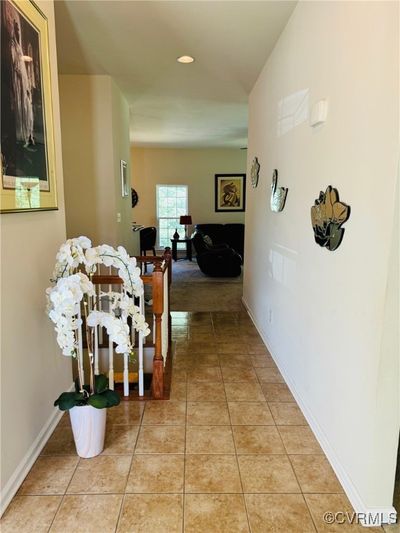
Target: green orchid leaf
{"x": 113, "y": 398}
{"x": 85, "y": 387}
{"x": 100, "y": 383}
{"x": 99, "y": 401}
{"x": 68, "y": 400}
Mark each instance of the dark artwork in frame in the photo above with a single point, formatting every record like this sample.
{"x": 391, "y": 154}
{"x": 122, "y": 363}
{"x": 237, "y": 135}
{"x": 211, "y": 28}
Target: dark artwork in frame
{"x": 230, "y": 192}
{"x": 23, "y": 135}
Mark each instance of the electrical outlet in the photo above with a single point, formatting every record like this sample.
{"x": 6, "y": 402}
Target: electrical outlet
{"x": 118, "y": 217}
{"x": 270, "y": 316}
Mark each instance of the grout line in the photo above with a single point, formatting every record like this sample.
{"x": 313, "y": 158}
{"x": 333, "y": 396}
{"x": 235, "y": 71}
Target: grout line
{"x": 65, "y": 493}
{"x": 130, "y": 466}
{"x": 184, "y": 470}
{"x": 238, "y": 467}
{"x": 310, "y": 513}
{"x": 120, "y": 512}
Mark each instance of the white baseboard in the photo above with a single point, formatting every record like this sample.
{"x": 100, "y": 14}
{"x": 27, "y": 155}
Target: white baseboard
{"x": 370, "y": 517}
{"x": 20, "y": 473}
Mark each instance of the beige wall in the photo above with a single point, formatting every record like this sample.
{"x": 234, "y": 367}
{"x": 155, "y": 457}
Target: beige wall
{"x": 121, "y": 148}
{"x": 33, "y": 373}
{"x": 192, "y": 167}
{"x": 331, "y": 319}
{"x": 95, "y": 130}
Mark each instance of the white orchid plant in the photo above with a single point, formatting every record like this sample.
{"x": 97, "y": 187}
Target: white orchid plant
{"x": 73, "y": 291}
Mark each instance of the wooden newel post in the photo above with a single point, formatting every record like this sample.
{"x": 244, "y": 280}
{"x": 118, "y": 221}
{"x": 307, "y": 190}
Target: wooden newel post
{"x": 168, "y": 259}
{"x": 158, "y": 305}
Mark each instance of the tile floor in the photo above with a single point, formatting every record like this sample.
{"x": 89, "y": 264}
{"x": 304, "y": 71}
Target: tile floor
{"x": 230, "y": 452}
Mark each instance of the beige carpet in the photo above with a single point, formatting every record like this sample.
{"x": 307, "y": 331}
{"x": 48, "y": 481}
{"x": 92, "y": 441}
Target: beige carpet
{"x": 189, "y": 271}
{"x": 193, "y": 291}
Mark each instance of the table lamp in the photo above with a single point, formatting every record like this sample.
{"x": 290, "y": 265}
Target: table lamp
{"x": 185, "y": 220}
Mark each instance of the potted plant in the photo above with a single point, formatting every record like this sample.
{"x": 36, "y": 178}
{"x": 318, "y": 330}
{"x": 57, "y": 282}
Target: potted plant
{"x": 73, "y": 306}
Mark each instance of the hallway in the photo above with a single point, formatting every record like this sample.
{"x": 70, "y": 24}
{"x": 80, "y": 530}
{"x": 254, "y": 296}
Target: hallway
{"x": 230, "y": 452}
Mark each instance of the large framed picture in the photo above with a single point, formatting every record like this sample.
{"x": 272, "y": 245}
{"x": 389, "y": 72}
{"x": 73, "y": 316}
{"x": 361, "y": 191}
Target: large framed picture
{"x": 230, "y": 192}
{"x": 28, "y": 180}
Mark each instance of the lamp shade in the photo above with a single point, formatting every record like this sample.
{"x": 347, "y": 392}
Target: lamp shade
{"x": 185, "y": 219}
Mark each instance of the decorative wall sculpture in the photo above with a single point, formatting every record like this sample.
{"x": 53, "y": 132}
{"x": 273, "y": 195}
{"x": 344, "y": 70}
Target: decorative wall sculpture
{"x": 134, "y": 197}
{"x": 327, "y": 217}
{"x": 255, "y": 172}
{"x": 278, "y": 195}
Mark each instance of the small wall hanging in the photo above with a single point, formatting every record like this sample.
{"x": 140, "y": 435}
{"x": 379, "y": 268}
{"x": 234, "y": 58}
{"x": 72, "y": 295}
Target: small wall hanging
{"x": 278, "y": 194}
{"x": 124, "y": 178}
{"x": 255, "y": 172}
{"x": 135, "y": 197}
{"x": 327, "y": 217}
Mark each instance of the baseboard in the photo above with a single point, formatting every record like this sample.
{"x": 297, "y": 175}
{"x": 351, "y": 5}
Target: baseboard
{"x": 370, "y": 517}
{"x": 20, "y": 473}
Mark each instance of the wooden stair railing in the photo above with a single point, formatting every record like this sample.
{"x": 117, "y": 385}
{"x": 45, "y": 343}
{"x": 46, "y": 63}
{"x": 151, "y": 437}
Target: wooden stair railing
{"x": 159, "y": 279}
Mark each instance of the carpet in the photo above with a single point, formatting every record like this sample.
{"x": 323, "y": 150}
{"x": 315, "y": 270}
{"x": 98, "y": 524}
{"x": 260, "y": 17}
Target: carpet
{"x": 189, "y": 271}
{"x": 192, "y": 291}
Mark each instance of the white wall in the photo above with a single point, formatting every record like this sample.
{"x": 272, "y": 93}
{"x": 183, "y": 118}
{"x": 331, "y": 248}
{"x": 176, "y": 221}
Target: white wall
{"x": 334, "y": 330}
{"x": 95, "y": 130}
{"x": 33, "y": 373}
{"x": 193, "y": 167}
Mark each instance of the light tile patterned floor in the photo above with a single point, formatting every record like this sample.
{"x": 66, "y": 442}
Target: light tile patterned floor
{"x": 230, "y": 452}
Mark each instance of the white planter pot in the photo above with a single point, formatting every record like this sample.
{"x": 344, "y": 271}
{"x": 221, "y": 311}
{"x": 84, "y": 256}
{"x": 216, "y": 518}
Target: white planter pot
{"x": 89, "y": 428}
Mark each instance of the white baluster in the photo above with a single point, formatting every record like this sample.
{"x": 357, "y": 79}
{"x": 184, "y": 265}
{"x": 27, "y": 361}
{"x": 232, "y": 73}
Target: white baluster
{"x": 126, "y": 375}
{"x": 110, "y": 365}
{"x": 100, "y": 307}
{"x": 96, "y": 351}
{"x": 110, "y": 352}
{"x": 141, "y": 371}
{"x": 80, "y": 348}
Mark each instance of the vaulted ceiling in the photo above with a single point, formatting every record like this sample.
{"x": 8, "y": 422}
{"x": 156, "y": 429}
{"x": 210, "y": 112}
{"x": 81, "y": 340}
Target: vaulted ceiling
{"x": 137, "y": 43}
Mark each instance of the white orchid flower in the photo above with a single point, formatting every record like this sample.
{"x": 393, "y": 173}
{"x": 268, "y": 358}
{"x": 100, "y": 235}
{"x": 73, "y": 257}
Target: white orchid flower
{"x": 64, "y": 299}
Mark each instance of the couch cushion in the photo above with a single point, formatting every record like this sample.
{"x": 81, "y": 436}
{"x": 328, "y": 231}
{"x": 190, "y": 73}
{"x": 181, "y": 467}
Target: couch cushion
{"x": 234, "y": 234}
{"x": 230, "y": 234}
{"x": 215, "y": 231}
{"x": 207, "y": 240}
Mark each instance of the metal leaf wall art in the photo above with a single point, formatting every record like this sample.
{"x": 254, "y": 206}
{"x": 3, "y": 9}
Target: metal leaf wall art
{"x": 255, "y": 172}
{"x": 278, "y": 194}
{"x": 328, "y": 214}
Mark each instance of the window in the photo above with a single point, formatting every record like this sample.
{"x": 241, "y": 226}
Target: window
{"x": 172, "y": 202}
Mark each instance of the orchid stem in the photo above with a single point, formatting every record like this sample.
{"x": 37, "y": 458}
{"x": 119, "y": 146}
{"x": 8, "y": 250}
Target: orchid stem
{"x": 89, "y": 335}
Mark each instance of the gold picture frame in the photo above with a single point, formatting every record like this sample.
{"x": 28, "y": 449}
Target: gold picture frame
{"x": 28, "y": 177}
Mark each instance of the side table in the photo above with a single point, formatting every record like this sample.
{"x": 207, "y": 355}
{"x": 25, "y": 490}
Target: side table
{"x": 188, "y": 243}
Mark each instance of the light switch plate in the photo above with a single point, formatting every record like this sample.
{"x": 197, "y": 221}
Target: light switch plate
{"x": 319, "y": 113}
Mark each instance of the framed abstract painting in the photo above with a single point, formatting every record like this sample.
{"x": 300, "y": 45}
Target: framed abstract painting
{"x": 28, "y": 180}
{"x": 230, "y": 192}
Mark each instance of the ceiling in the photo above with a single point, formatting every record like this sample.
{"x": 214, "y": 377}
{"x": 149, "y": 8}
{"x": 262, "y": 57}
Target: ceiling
{"x": 137, "y": 42}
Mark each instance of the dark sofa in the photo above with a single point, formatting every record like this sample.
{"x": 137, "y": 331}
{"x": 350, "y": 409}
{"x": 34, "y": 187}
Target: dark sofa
{"x": 230, "y": 234}
{"x": 217, "y": 260}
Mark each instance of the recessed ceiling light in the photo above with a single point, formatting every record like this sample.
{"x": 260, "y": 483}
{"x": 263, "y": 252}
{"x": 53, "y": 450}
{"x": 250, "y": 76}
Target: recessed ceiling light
{"x": 185, "y": 59}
